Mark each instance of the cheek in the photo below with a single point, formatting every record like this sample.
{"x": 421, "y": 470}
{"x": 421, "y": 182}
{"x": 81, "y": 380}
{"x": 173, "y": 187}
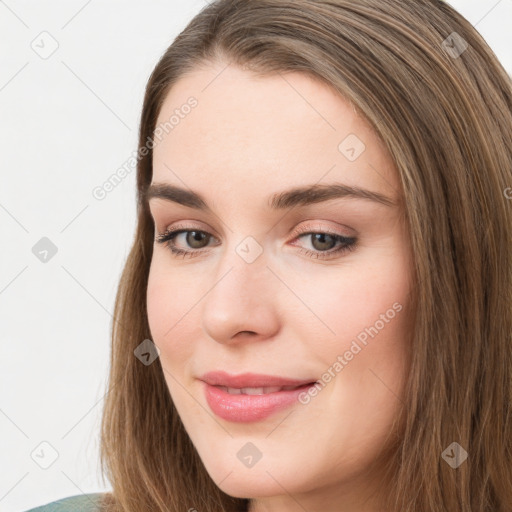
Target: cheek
{"x": 170, "y": 302}
{"x": 363, "y": 296}
{"x": 365, "y": 317}
{"x": 158, "y": 297}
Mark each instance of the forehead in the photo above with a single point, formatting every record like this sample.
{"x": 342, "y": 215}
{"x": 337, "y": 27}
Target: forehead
{"x": 261, "y": 132}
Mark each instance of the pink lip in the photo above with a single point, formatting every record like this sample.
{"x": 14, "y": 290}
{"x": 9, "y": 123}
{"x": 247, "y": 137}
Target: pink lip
{"x": 250, "y": 380}
{"x": 247, "y": 408}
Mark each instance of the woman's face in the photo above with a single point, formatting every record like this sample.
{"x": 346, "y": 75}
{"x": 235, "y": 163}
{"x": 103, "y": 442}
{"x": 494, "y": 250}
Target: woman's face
{"x": 293, "y": 285}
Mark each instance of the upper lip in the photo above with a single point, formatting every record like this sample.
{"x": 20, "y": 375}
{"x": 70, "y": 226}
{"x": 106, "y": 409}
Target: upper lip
{"x": 250, "y": 380}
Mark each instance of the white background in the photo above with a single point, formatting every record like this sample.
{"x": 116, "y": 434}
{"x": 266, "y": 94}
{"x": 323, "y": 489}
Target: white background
{"x": 67, "y": 123}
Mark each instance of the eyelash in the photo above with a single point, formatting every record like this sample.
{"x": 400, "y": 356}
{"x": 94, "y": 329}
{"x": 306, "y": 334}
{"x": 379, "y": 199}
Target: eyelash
{"x": 168, "y": 236}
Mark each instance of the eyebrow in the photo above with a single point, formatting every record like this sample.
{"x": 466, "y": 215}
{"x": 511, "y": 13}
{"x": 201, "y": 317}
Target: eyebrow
{"x": 301, "y": 196}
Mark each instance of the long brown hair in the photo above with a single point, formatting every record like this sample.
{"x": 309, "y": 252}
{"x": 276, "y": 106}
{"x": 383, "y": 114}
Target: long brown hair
{"x": 437, "y": 96}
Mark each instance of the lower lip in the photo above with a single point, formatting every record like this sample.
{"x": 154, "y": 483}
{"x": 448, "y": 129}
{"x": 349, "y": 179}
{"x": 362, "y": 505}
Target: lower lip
{"x": 247, "y": 408}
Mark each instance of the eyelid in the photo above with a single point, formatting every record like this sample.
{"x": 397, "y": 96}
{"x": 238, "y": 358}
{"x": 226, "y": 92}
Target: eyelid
{"x": 350, "y": 243}
{"x": 298, "y": 232}
{"x": 183, "y": 225}
{"x": 301, "y": 229}
{"x": 323, "y": 229}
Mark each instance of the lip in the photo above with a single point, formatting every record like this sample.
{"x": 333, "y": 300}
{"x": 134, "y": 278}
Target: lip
{"x": 250, "y": 380}
{"x": 250, "y": 408}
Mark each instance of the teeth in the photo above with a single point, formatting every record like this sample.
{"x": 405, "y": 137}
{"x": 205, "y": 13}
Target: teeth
{"x": 256, "y": 391}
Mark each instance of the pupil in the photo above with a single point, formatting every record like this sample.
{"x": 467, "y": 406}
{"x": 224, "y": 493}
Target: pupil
{"x": 321, "y": 238}
{"x": 197, "y": 236}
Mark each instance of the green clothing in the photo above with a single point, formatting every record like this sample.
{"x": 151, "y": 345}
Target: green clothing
{"x": 78, "y": 503}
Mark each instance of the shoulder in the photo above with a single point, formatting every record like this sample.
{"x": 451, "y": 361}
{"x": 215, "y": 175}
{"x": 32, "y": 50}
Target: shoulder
{"x": 78, "y": 503}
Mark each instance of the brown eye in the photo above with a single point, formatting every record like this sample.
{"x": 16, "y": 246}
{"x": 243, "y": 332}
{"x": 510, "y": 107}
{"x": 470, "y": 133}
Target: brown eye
{"x": 323, "y": 241}
{"x": 195, "y": 239}
{"x": 324, "y": 244}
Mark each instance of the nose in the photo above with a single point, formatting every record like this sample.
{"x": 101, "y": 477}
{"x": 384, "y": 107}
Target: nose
{"x": 242, "y": 302}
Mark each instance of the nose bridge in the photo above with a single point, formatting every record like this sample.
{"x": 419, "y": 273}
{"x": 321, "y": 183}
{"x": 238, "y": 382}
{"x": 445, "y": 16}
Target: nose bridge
{"x": 242, "y": 273}
{"x": 240, "y": 297}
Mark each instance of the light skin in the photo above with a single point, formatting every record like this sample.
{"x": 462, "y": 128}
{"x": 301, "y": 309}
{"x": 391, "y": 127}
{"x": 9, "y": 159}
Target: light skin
{"x": 286, "y": 313}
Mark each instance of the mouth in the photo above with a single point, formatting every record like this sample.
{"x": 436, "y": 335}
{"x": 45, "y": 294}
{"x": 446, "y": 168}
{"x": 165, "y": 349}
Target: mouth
{"x": 252, "y": 380}
{"x": 261, "y": 390}
{"x": 252, "y": 404}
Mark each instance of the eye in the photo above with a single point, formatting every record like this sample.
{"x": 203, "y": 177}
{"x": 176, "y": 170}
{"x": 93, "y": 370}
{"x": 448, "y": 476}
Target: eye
{"x": 195, "y": 238}
{"x": 320, "y": 239}
{"x": 325, "y": 244}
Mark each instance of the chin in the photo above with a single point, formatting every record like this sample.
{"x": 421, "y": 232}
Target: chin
{"x": 251, "y": 485}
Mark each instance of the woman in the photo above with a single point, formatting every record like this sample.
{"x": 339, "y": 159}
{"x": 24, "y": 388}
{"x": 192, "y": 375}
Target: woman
{"x": 255, "y": 368}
